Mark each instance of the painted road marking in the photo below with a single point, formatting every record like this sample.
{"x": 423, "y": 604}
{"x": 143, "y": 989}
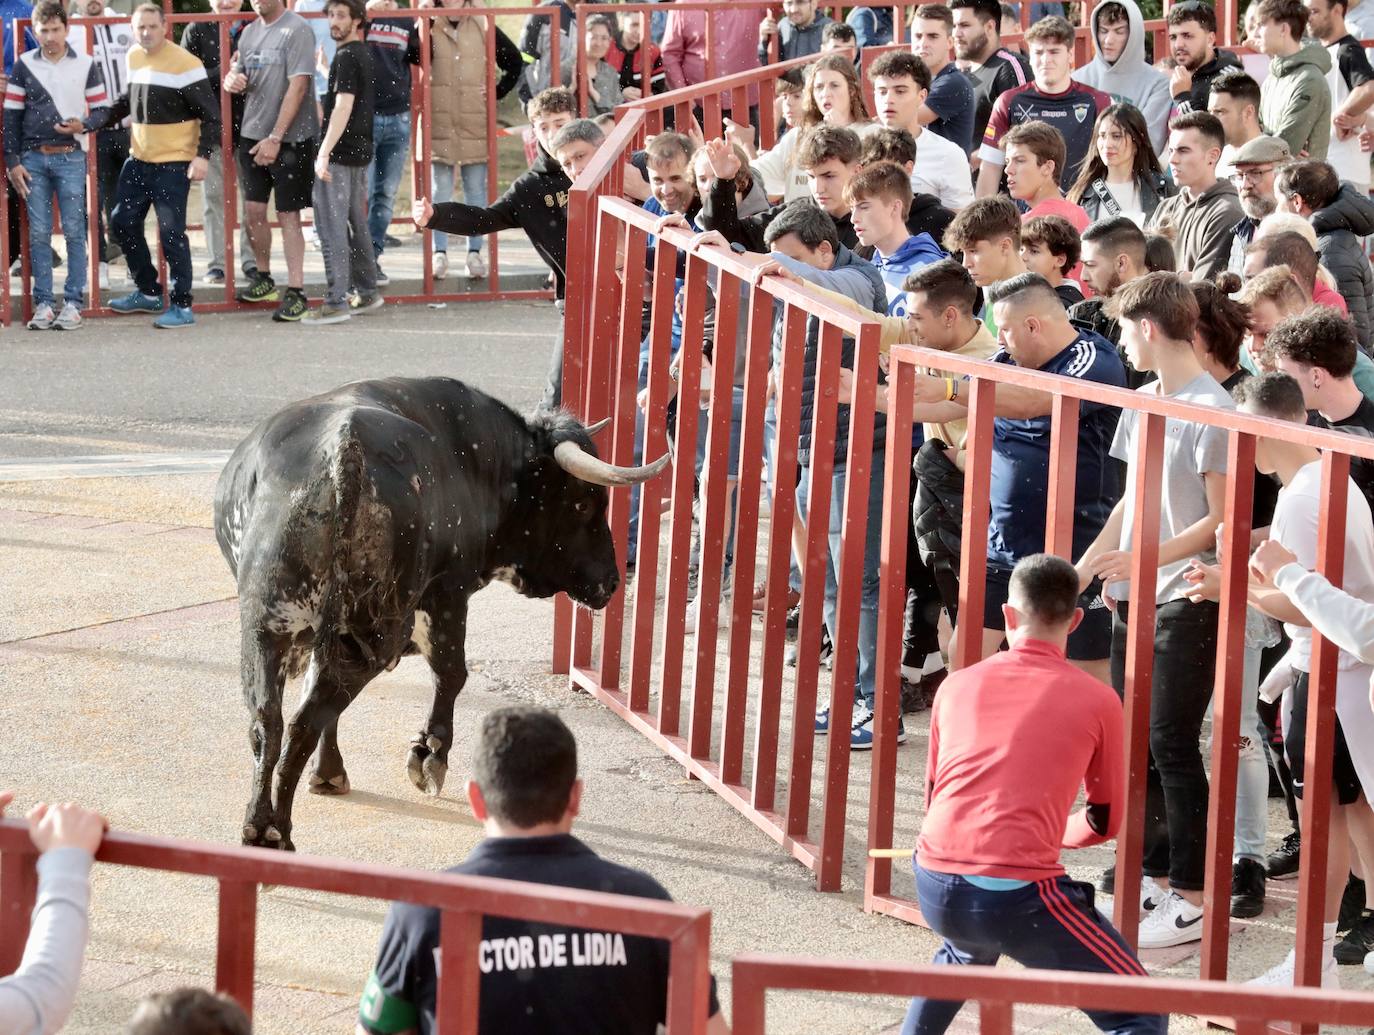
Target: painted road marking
{"x": 112, "y": 465}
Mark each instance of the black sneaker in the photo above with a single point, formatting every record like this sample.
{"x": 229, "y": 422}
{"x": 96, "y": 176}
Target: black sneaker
{"x": 1107, "y": 882}
{"x": 913, "y": 700}
{"x": 293, "y": 306}
{"x": 1283, "y": 861}
{"x": 827, "y": 649}
{"x": 1352, "y": 905}
{"x": 260, "y": 288}
{"x": 1247, "y": 889}
{"x": 382, "y": 279}
{"x": 1358, "y": 941}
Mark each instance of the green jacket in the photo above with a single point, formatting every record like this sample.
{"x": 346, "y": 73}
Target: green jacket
{"x": 1295, "y": 102}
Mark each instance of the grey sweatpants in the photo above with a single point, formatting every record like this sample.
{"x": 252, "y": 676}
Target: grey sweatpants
{"x": 341, "y": 223}
{"x": 214, "y": 218}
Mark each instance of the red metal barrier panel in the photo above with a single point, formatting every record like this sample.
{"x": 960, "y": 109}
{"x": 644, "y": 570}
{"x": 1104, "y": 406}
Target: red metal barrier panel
{"x": 997, "y": 992}
{"x": 463, "y": 900}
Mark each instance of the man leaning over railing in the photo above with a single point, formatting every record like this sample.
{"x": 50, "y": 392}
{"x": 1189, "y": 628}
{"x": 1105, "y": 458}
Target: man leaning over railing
{"x": 535, "y": 977}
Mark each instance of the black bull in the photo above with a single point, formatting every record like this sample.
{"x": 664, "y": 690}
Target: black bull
{"x": 359, "y": 522}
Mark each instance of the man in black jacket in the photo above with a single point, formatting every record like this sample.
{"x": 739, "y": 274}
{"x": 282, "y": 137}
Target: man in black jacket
{"x": 395, "y": 46}
{"x": 537, "y": 203}
{"x": 1192, "y": 45}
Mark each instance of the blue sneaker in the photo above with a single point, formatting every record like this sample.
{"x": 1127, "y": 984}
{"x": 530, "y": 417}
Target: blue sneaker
{"x": 136, "y": 302}
{"x": 823, "y": 721}
{"x": 177, "y": 316}
{"x": 861, "y": 736}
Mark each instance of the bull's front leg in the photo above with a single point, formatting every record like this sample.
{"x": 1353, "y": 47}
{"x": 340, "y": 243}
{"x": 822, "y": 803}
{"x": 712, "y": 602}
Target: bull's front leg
{"x": 263, "y": 669}
{"x": 427, "y": 761}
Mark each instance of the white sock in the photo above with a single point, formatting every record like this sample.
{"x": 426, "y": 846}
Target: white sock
{"x": 934, "y": 663}
{"x": 1329, "y": 940}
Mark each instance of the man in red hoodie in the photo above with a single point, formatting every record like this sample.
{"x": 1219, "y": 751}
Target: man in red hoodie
{"x": 1011, "y": 740}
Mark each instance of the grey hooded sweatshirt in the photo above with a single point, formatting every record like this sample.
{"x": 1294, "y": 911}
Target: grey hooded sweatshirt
{"x": 1130, "y": 79}
{"x": 1295, "y": 102}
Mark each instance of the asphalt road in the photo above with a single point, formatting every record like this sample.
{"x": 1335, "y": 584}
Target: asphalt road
{"x": 118, "y": 386}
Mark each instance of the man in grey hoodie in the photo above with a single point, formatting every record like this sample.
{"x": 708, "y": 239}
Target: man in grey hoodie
{"x": 1201, "y": 216}
{"x": 1119, "y": 67}
{"x": 1295, "y": 101}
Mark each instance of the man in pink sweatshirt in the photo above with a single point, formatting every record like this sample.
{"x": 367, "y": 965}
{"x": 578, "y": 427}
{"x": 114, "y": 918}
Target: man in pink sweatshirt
{"x": 734, "y": 42}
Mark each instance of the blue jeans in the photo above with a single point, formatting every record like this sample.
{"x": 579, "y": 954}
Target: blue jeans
{"x": 474, "y": 193}
{"x": 63, "y": 175}
{"x": 390, "y": 145}
{"x": 1049, "y": 923}
{"x": 163, "y": 186}
{"x": 864, "y": 687}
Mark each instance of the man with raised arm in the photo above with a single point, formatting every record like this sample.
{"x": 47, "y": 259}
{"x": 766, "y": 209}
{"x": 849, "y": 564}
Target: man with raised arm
{"x": 1012, "y": 739}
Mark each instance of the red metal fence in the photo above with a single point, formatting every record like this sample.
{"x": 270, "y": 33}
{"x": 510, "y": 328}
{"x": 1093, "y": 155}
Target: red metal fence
{"x": 421, "y": 164}
{"x": 464, "y": 901}
{"x": 640, "y": 666}
{"x": 997, "y": 992}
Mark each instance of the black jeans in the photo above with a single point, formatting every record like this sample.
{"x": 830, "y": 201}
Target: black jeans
{"x": 162, "y": 186}
{"x": 1185, "y": 655}
{"x": 112, "y": 149}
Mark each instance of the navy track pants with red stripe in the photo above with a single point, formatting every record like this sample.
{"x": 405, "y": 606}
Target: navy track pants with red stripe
{"x": 1051, "y": 923}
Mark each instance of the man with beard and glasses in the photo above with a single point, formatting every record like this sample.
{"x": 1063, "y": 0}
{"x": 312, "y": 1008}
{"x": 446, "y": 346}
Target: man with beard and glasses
{"x": 1256, "y": 164}
{"x": 1235, "y": 101}
{"x": 1197, "y": 61}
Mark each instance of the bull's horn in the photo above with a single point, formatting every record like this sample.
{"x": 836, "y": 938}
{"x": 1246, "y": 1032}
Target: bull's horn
{"x": 581, "y": 464}
{"x": 592, "y": 429}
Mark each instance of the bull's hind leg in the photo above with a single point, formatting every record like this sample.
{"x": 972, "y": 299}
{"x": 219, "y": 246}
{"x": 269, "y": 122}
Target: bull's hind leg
{"x": 427, "y": 761}
{"x": 327, "y": 775}
{"x": 323, "y": 701}
{"x": 263, "y": 666}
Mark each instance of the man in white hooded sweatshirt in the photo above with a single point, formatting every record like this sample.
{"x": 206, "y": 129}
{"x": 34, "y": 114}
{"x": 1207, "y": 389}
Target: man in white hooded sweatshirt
{"x": 1120, "y": 69}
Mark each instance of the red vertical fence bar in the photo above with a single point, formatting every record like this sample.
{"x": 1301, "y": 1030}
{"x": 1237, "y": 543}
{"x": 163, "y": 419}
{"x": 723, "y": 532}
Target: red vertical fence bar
{"x": 456, "y": 999}
{"x": 849, "y": 603}
{"x": 714, "y": 524}
{"x": 684, "y": 474}
{"x": 1226, "y": 731}
{"x": 891, "y": 606}
{"x": 782, "y": 512}
{"x": 973, "y": 564}
{"x": 1063, "y": 471}
{"x": 1321, "y": 733}
{"x": 235, "y": 948}
{"x": 1149, "y": 460}
{"x": 825, "y": 398}
{"x": 747, "y": 494}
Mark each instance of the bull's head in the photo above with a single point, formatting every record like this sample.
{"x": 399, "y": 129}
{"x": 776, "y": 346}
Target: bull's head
{"x": 573, "y": 551}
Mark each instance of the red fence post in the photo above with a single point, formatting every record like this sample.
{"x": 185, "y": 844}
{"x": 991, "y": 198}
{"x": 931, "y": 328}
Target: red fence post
{"x": 18, "y": 890}
{"x": 973, "y": 563}
{"x": 235, "y": 947}
{"x": 1140, "y": 661}
{"x": 1226, "y": 731}
{"x": 1321, "y": 733}
{"x": 891, "y": 607}
{"x": 460, "y": 978}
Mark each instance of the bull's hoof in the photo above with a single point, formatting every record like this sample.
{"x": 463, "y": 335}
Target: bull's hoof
{"x": 424, "y": 767}
{"x": 271, "y": 837}
{"x": 333, "y": 785}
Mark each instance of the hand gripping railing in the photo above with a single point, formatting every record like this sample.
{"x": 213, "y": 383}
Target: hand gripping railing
{"x": 463, "y": 900}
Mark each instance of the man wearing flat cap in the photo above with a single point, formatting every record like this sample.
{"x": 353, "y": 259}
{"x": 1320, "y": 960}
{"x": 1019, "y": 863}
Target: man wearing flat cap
{"x": 1256, "y": 164}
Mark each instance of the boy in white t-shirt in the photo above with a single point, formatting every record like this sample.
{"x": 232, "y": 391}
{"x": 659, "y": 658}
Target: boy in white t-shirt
{"x": 1295, "y": 526}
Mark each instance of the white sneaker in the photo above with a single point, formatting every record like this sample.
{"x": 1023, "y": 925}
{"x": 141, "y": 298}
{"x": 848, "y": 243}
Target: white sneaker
{"x": 1281, "y": 975}
{"x": 1151, "y": 894}
{"x": 1175, "y": 921}
{"x": 42, "y": 319}
{"x": 1369, "y": 963}
{"x": 69, "y": 319}
{"x": 694, "y": 608}
{"x": 440, "y": 265}
{"x": 477, "y": 266}
{"x": 104, "y": 275}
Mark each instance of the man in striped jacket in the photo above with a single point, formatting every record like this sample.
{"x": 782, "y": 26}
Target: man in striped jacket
{"x": 175, "y": 127}
{"x": 46, "y": 100}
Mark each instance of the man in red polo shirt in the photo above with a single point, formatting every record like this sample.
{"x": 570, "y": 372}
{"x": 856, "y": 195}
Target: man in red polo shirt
{"x": 1011, "y": 740}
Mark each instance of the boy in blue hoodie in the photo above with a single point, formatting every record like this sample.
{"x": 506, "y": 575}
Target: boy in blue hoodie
{"x": 879, "y": 197}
